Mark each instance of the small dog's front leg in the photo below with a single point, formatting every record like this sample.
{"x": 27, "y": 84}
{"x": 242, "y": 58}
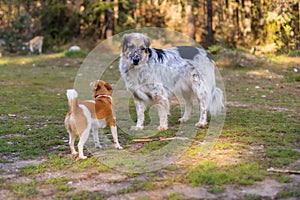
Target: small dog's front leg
{"x": 114, "y": 133}
{"x": 140, "y": 112}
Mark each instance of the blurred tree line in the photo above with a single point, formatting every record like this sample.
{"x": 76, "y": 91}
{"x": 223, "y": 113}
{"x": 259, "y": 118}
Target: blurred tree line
{"x": 232, "y": 23}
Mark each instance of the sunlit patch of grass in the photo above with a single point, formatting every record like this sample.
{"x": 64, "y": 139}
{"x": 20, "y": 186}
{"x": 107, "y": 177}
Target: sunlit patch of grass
{"x": 23, "y": 60}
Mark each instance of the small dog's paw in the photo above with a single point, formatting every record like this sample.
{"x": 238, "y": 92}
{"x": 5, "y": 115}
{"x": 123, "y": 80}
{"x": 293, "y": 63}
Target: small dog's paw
{"x": 162, "y": 128}
{"x": 137, "y": 128}
{"x": 201, "y": 124}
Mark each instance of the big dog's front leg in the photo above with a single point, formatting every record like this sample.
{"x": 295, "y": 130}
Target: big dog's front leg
{"x": 140, "y": 112}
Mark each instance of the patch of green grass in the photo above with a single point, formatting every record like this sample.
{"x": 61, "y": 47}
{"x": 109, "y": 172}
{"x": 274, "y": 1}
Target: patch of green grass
{"x": 57, "y": 181}
{"x": 216, "y": 189}
{"x": 79, "y": 53}
{"x": 64, "y": 188}
{"x": 82, "y": 165}
{"x": 283, "y": 178}
{"x": 32, "y": 121}
{"x": 54, "y": 162}
{"x": 87, "y": 195}
{"x": 138, "y": 185}
{"x": 208, "y": 173}
{"x": 288, "y": 193}
{"x": 252, "y": 197}
{"x": 22, "y": 190}
{"x": 175, "y": 196}
{"x": 279, "y": 157}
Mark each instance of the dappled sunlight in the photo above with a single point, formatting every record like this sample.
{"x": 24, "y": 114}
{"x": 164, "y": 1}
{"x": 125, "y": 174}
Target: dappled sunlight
{"x": 23, "y": 60}
{"x": 223, "y": 153}
{"x": 265, "y": 73}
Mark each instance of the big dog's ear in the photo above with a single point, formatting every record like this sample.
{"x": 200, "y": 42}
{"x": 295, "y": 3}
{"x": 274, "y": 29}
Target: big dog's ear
{"x": 108, "y": 86}
{"x": 124, "y": 42}
{"x": 147, "y": 41}
{"x": 94, "y": 85}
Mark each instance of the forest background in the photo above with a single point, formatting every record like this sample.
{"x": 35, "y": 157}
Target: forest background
{"x": 269, "y": 25}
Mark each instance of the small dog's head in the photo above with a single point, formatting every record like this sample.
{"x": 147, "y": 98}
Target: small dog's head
{"x": 135, "y": 48}
{"x": 100, "y": 87}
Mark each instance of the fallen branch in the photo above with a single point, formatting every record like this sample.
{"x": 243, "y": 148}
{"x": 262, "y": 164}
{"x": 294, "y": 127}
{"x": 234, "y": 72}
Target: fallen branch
{"x": 283, "y": 171}
{"x": 159, "y": 139}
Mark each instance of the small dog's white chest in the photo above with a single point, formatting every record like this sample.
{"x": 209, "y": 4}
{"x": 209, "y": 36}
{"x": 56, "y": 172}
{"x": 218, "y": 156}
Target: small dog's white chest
{"x": 101, "y": 123}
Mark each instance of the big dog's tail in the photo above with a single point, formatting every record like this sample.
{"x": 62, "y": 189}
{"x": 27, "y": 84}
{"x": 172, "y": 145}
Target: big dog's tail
{"x": 72, "y": 99}
{"x": 217, "y": 101}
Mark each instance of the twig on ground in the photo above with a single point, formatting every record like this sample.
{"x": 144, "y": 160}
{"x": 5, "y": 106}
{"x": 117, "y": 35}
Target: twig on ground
{"x": 283, "y": 171}
{"x": 159, "y": 139}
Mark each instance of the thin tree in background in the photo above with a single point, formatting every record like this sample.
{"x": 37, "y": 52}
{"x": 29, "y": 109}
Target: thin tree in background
{"x": 190, "y": 19}
{"x": 109, "y": 20}
{"x": 210, "y": 33}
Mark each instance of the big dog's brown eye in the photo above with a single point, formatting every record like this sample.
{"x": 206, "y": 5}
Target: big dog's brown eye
{"x": 142, "y": 48}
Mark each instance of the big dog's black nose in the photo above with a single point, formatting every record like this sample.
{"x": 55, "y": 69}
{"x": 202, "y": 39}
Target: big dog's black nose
{"x": 135, "y": 60}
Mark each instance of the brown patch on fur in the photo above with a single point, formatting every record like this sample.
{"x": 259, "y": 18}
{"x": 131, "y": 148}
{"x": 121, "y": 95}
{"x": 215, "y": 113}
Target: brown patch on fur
{"x": 103, "y": 104}
{"x": 79, "y": 122}
{"x": 90, "y": 106}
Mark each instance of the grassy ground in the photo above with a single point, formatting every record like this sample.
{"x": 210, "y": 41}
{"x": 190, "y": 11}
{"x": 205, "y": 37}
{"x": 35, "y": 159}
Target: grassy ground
{"x": 261, "y": 131}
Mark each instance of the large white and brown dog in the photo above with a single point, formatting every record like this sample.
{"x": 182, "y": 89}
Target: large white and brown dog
{"x": 152, "y": 74}
{"x": 88, "y": 116}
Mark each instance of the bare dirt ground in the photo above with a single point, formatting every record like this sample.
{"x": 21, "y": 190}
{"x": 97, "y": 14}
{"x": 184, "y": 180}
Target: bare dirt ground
{"x": 111, "y": 183}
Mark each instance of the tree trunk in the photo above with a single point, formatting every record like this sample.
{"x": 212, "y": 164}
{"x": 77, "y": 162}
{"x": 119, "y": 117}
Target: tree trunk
{"x": 109, "y": 21}
{"x": 190, "y": 19}
{"x": 247, "y": 30}
{"x": 210, "y": 36}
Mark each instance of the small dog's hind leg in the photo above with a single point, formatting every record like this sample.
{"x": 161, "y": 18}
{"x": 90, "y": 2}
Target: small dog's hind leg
{"x": 82, "y": 141}
{"x": 72, "y": 142}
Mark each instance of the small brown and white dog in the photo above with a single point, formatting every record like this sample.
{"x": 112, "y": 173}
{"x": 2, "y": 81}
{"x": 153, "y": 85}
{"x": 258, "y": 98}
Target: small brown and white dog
{"x": 88, "y": 116}
{"x": 36, "y": 44}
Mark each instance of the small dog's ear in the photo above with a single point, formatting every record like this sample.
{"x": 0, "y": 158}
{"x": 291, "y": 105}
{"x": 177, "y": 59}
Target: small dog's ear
{"x": 124, "y": 42}
{"x": 94, "y": 85}
{"x": 108, "y": 86}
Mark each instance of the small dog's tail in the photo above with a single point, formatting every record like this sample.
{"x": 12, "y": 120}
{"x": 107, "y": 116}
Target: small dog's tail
{"x": 72, "y": 99}
{"x": 217, "y": 101}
